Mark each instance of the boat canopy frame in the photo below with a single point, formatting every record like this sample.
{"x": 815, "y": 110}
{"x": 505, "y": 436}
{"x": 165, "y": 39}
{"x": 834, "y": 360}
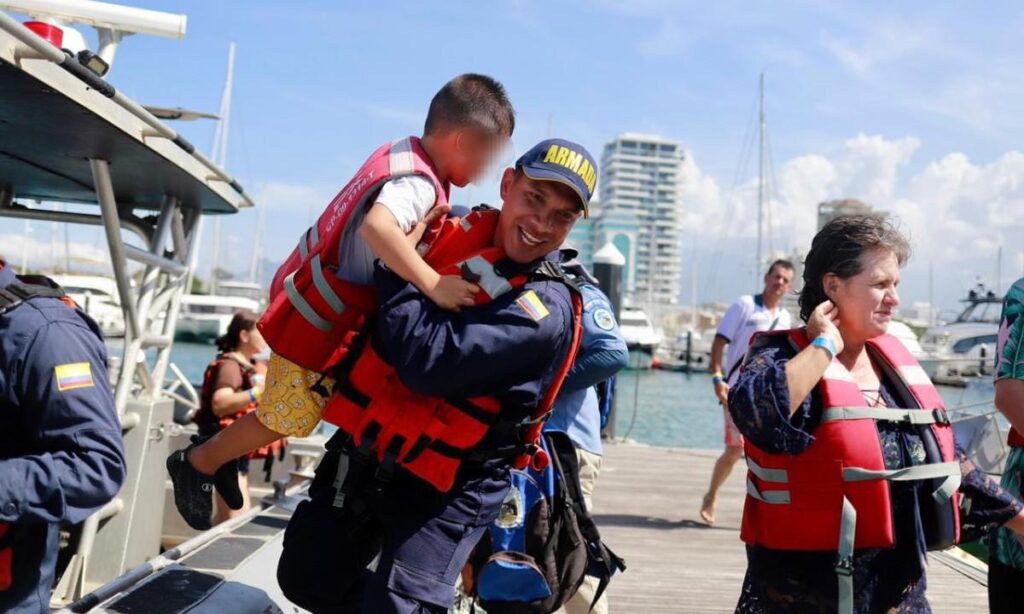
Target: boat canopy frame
{"x": 68, "y": 136}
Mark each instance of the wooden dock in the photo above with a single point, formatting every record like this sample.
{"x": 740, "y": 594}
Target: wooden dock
{"x": 646, "y": 504}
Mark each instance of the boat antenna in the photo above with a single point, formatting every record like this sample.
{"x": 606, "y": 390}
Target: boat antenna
{"x": 218, "y": 154}
{"x": 760, "y": 177}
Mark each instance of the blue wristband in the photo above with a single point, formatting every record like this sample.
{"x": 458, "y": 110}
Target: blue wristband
{"x": 252, "y": 395}
{"x": 826, "y": 344}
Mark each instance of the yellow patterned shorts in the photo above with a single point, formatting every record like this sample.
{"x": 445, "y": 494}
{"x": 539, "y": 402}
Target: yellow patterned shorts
{"x": 288, "y": 406}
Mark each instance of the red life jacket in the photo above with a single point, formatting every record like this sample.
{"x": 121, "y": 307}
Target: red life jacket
{"x": 209, "y": 422}
{"x": 1014, "y": 439}
{"x": 313, "y": 312}
{"x": 834, "y": 496}
{"x": 429, "y": 436}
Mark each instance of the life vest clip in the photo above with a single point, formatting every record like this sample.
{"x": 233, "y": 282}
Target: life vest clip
{"x": 844, "y": 566}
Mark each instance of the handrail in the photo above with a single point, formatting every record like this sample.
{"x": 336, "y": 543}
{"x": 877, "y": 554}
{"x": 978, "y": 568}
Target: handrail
{"x": 70, "y": 64}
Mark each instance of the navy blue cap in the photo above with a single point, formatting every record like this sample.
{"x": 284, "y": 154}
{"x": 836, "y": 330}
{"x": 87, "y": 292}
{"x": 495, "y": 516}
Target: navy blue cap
{"x": 565, "y": 162}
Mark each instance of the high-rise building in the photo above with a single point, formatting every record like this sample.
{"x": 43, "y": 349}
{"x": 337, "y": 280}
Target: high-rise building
{"x": 830, "y": 210}
{"x": 641, "y": 213}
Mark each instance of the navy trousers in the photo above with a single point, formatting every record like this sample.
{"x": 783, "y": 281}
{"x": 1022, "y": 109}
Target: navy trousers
{"x": 418, "y": 538}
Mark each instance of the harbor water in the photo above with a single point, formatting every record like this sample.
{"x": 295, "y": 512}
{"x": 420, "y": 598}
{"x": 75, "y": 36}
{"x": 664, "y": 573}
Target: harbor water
{"x": 672, "y": 409}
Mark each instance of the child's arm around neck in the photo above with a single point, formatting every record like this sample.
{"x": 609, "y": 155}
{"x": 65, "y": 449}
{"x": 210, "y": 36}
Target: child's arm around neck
{"x": 382, "y": 233}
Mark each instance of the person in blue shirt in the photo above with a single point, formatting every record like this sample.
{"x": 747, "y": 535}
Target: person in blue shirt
{"x": 61, "y": 452}
{"x": 508, "y": 349}
{"x": 576, "y": 413}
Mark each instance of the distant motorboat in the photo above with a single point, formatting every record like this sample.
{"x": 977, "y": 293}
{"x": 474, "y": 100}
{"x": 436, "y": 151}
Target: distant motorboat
{"x": 637, "y": 330}
{"x": 205, "y": 317}
{"x": 690, "y": 352}
{"x": 97, "y": 296}
{"x": 965, "y": 347}
{"x": 245, "y": 289}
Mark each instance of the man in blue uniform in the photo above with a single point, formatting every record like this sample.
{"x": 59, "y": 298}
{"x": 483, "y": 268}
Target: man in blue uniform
{"x": 61, "y": 453}
{"x": 577, "y": 413}
{"x": 508, "y": 349}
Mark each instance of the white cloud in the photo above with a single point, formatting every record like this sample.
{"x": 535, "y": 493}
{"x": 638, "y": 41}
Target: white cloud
{"x": 868, "y": 167}
{"x": 957, "y": 213}
{"x": 878, "y": 43}
{"x": 44, "y": 253}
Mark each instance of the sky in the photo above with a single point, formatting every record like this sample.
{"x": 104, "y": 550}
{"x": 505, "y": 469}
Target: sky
{"x": 913, "y": 107}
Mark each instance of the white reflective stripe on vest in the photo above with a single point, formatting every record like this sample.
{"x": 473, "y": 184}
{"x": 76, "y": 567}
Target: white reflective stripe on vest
{"x": 768, "y": 475}
{"x": 909, "y": 416}
{"x": 493, "y": 284}
{"x": 465, "y": 223}
{"x": 775, "y": 497}
{"x": 304, "y": 308}
{"x": 844, "y": 560}
{"x": 400, "y": 159}
{"x": 303, "y": 248}
{"x": 948, "y": 470}
{"x": 323, "y": 287}
{"x": 312, "y": 237}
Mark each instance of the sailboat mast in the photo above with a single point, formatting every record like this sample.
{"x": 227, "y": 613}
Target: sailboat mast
{"x": 220, "y": 157}
{"x": 760, "y": 178}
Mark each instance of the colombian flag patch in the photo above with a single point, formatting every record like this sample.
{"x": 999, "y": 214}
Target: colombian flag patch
{"x": 531, "y": 304}
{"x": 73, "y": 375}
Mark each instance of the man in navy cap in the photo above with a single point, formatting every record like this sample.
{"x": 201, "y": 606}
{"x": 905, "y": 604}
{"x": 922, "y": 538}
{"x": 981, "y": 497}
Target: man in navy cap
{"x": 508, "y": 349}
{"x": 61, "y": 453}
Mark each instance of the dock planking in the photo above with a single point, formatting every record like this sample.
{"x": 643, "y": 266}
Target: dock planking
{"x": 646, "y": 503}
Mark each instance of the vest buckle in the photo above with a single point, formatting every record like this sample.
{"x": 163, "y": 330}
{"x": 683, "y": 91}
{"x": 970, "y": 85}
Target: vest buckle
{"x": 941, "y": 416}
{"x": 844, "y": 566}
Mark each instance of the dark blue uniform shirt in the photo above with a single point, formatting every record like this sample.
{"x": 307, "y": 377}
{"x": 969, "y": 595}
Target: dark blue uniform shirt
{"x": 61, "y": 452}
{"x": 510, "y": 348}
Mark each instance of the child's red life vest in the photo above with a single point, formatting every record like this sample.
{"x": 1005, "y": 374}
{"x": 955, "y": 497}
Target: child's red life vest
{"x": 313, "y": 312}
{"x": 429, "y": 436}
{"x": 834, "y": 496}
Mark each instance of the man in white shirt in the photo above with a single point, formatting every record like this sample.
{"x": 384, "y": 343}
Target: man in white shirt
{"x": 749, "y": 315}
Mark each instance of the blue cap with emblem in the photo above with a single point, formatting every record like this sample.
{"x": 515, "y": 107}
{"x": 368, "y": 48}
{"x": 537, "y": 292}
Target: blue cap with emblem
{"x": 565, "y": 162}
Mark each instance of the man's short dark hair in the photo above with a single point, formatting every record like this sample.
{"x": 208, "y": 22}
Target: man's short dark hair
{"x": 781, "y": 262}
{"x": 471, "y": 100}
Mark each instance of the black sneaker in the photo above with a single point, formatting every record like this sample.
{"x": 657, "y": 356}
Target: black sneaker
{"x": 193, "y": 491}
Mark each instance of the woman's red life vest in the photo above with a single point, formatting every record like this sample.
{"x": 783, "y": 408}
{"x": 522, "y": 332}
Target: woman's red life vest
{"x": 429, "y": 436}
{"x": 313, "y": 312}
{"x": 210, "y": 423}
{"x": 805, "y": 492}
{"x": 834, "y": 496}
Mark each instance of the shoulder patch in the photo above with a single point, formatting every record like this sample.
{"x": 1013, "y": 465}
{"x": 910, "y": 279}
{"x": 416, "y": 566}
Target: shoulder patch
{"x": 604, "y": 319}
{"x": 73, "y": 375}
{"x": 531, "y": 304}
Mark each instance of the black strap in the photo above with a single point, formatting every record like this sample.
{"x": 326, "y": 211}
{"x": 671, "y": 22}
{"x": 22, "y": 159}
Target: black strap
{"x": 563, "y": 459}
{"x": 475, "y": 411}
{"x": 422, "y": 443}
{"x": 475, "y": 455}
{"x": 13, "y": 295}
{"x": 369, "y": 438}
{"x": 386, "y": 469}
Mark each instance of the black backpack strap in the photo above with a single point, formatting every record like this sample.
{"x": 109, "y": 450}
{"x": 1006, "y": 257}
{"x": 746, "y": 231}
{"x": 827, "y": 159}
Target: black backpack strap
{"x": 26, "y": 289}
{"x": 563, "y": 457}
